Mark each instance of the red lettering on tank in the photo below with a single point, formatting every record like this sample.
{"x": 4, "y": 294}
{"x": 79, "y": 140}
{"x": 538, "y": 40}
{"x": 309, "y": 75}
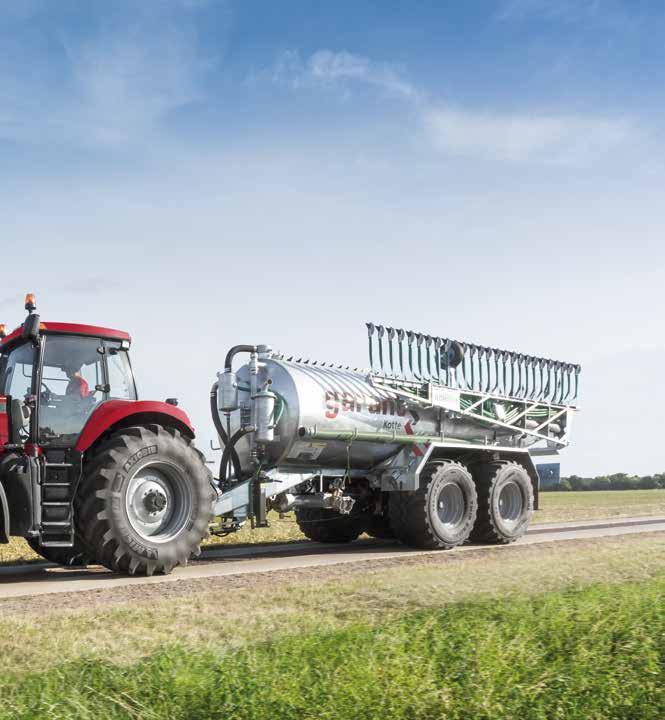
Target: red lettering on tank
{"x": 332, "y": 405}
{"x": 348, "y": 402}
{"x": 374, "y": 407}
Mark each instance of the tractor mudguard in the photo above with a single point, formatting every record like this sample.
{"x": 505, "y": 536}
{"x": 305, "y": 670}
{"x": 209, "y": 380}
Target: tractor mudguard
{"x": 115, "y": 412}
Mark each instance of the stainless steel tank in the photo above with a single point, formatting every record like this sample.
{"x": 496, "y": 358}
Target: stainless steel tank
{"x": 332, "y": 399}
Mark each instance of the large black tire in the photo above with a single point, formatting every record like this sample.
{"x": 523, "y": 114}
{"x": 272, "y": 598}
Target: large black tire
{"x": 145, "y": 501}
{"x": 440, "y": 514}
{"x": 327, "y": 526}
{"x": 76, "y": 556}
{"x": 505, "y": 502}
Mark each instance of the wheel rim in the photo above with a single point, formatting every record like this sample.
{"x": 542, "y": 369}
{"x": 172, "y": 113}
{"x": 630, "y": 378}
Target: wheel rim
{"x": 157, "y": 502}
{"x": 511, "y": 502}
{"x": 450, "y": 505}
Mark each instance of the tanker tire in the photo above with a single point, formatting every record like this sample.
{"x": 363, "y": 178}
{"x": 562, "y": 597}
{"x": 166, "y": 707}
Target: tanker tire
{"x": 441, "y": 513}
{"x": 76, "y": 556}
{"x": 326, "y": 526}
{"x": 505, "y": 502}
{"x": 103, "y": 508}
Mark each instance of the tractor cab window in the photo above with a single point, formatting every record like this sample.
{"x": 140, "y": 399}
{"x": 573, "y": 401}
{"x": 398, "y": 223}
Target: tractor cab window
{"x": 72, "y": 385}
{"x": 121, "y": 378}
{"x": 16, "y": 369}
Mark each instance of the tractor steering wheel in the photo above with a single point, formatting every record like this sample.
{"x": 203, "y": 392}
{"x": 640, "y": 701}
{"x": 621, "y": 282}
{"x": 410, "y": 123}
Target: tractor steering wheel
{"x": 46, "y": 393}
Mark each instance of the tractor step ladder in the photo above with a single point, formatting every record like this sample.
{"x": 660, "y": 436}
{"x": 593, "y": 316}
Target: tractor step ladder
{"x": 57, "y": 515}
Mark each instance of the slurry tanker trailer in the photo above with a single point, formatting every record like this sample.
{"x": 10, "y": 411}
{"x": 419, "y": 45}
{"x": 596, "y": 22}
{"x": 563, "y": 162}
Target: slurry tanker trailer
{"x": 431, "y": 445}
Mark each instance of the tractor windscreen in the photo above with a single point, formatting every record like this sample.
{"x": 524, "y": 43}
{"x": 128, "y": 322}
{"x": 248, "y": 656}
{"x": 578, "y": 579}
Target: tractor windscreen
{"x": 72, "y": 386}
{"x": 78, "y": 374}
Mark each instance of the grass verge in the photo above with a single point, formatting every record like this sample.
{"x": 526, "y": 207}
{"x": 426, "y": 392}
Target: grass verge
{"x": 592, "y": 653}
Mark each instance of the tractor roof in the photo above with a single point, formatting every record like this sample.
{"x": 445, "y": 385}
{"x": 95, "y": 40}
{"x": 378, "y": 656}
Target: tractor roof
{"x": 70, "y": 329}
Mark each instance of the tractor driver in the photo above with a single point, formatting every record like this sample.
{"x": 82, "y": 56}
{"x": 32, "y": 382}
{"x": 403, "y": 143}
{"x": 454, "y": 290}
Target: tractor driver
{"x": 77, "y": 387}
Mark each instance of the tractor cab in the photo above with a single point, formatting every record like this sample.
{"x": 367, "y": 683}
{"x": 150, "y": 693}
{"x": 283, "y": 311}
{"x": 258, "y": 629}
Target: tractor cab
{"x": 53, "y": 383}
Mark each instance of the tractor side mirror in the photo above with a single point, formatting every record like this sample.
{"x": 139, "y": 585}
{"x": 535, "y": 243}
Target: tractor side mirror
{"x": 31, "y": 328}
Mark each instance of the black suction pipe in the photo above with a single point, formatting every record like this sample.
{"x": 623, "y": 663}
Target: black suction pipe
{"x": 223, "y": 437}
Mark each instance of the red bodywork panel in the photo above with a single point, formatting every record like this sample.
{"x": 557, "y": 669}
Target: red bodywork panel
{"x": 112, "y": 412}
{"x": 71, "y": 329}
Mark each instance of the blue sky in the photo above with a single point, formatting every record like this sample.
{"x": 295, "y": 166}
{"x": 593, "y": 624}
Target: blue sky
{"x": 204, "y": 172}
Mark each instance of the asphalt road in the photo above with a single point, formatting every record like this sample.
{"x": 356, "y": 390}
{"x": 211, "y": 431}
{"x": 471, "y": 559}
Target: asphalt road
{"x": 43, "y": 578}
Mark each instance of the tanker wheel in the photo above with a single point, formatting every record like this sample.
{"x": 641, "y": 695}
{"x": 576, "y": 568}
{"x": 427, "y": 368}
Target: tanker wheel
{"x": 327, "y": 526}
{"x": 505, "y": 502}
{"x": 145, "y": 501}
{"x": 76, "y": 556}
{"x": 440, "y": 514}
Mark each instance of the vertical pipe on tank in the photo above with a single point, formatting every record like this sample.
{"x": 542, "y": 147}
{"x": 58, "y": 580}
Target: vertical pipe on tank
{"x": 419, "y": 350}
{"x": 370, "y": 336}
{"x": 527, "y": 367}
{"x": 437, "y": 358}
{"x": 410, "y": 337}
{"x": 380, "y": 332}
{"x": 578, "y": 369}
{"x": 428, "y": 356}
{"x": 391, "y": 334}
{"x": 400, "y": 345}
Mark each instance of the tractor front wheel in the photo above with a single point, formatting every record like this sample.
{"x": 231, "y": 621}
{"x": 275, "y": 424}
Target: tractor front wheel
{"x": 145, "y": 501}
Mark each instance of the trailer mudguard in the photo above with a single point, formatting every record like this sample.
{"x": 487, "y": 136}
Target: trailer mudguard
{"x": 114, "y": 413}
{"x": 403, "y": 473}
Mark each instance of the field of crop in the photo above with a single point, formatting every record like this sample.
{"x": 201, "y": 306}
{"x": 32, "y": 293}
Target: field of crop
{"x": 555, "y": 506}
{"x": 570, "y": 630}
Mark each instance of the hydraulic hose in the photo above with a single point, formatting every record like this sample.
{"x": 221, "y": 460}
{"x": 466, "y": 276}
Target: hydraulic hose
{"x": 228, "y": 450}
{"x": 223, "y": 436}
{"x": 228, "y": 363}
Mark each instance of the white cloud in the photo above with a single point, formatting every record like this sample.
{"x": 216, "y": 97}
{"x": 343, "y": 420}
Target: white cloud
{"x": 552, "y": 139}
{"x": 115, "y": 84}
{"x": 326, "y": 67}
{"x": 529, "y": 136}
{"x": 127, "y": 82}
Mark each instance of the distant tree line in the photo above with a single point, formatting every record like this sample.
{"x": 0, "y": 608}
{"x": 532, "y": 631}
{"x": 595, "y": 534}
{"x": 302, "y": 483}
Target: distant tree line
{"x": 618, "y": 481}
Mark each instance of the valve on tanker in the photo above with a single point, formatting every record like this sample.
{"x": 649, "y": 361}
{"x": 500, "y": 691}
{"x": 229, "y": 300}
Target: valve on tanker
{"x": 227, "y": 391}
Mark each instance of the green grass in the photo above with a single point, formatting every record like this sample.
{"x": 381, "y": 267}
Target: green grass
{"x": 598, "y": 505}
{"x": 578, "y": 654}
{"x": 235, "y": 611}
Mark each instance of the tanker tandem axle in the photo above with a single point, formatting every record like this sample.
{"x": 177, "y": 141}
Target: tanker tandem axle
{"x": 432, "y": 445}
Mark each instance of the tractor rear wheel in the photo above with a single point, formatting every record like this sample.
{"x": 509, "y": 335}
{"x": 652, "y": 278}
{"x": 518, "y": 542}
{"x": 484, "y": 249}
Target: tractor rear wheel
{"x": 145, "y": 501}
{"x": 505, "y": 502}
{"x": 440, "y": 514}
{"x": 76, "y": 556}
{"x": 327, "y": 526}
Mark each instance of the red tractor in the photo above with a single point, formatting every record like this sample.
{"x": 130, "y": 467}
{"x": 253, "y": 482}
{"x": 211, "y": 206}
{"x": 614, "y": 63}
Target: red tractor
{"x": 89, "y": 473}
